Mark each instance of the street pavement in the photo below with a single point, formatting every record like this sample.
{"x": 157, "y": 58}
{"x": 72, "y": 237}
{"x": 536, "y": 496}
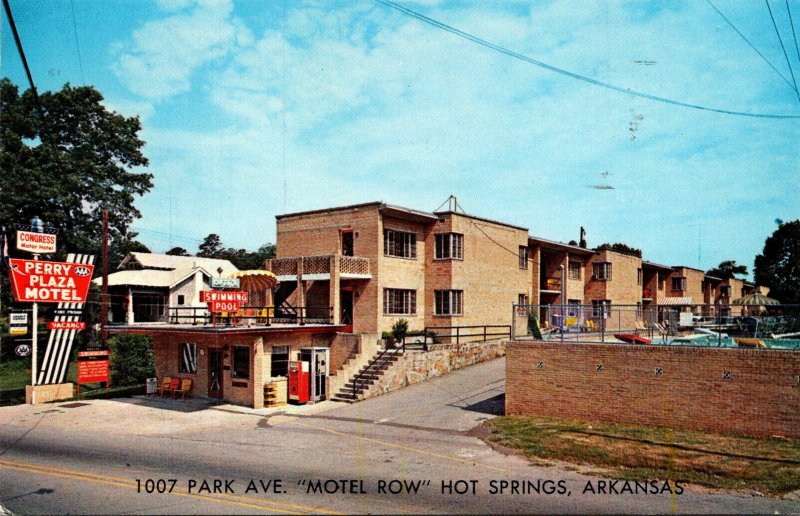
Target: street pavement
{"x": 410, "y": 451}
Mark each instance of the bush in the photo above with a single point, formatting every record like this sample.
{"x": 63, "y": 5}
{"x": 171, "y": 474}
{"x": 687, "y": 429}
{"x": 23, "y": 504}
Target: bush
{"x": 131, "y": 359}
{"x": 399, "y": 330}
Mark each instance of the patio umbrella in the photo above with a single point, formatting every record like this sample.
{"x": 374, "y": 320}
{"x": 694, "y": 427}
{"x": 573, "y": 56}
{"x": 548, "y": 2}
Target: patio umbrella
{"x": 755, "y": 299}
{"x": 258, "y": 285}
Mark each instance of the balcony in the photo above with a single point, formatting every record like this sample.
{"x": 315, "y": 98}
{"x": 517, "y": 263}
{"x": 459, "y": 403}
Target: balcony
{"x": 551, "y": 285}
{"x": 319, "y": 267}
{"x": 647, "y": 293}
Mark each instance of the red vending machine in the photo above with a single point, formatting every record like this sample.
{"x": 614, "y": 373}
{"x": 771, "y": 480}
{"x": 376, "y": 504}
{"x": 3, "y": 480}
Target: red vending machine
{"x": 299, "y": 382}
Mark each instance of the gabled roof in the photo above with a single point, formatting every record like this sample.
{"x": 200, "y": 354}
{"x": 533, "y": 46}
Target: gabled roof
{"x": 150, "y": 277}
{"x": 166, "y": 262}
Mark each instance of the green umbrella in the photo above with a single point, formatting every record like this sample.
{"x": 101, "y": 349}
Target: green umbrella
{"x": 756, "y": 299}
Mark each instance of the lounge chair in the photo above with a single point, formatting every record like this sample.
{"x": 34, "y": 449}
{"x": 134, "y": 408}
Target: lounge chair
{"x": 174, "y": 384}
{"x": 165, "y": 385}
{"x": 184, "y": 389}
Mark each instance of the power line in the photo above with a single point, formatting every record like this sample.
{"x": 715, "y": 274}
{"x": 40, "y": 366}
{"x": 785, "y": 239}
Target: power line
{"x": 786, "y": 55}
{"x": 751, "y": 45}
{"x": 13, "y": 26}
{"x": 77, "y": 43}
{"x": 794, "y": 33}
{"x": 572, "y": 75}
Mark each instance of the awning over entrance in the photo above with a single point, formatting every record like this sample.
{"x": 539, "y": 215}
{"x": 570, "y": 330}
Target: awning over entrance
{"x": 675, "y": 301}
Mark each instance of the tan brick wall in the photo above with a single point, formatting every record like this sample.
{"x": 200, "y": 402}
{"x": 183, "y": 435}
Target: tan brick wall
{"x": 762, "y": 396}
{"x": 622, "y": 288}
{"x": 694, "y": 284}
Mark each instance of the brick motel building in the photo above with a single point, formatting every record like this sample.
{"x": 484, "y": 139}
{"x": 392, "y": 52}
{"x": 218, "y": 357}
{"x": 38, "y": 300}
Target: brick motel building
{"x": 247, "y": 365}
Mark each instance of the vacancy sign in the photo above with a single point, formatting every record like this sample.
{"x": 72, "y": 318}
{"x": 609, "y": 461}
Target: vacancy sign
{"x": 37, "y": 243}
{"x": 36, "y": 281}
{"x": 66, "y": 325}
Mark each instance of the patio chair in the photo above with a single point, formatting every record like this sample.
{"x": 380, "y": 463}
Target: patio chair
{"x": 184, "y": 389}
{"x": 174, "y": 384}
{"x": 165, "y": 385}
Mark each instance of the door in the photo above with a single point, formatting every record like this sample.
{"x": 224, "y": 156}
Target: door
{"x": 215, "y": 373}
{"x": 346, "y": 303}
{"x": 318, "y": 359}
{"x": 347, "y": 243}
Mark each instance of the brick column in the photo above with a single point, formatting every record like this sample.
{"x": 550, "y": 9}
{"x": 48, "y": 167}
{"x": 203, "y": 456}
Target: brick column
{"x": 334, "y": 289}
{"x": 301, "y": 292}
{"x": 257, "y": 383}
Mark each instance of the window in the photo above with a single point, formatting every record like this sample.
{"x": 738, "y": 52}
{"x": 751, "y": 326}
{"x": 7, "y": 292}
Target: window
{"x": 660, "y": 284}
{"x": 574, "y": 270}
{"x": 399, "y": 244}
{"x": 448, "y": 302}
{"x": 181, "y": 299}
{"x": 574, "y": 307}
{"x": 639, "y": 276}
{"x": 449, "y": 245}
{"x": 725, "y": 291}
{"x": 188, "y": 358}
{"x": 279, "y": 364}
{"x": 678, "y": 283}
{"x": 241, "y": 362}
{"x": 523, "y": 257}
{"x": 522, "y": 299}
{"x": 601, "y": 270}
{"x": 601, "y": 308}
{"x": 399, "y": 301}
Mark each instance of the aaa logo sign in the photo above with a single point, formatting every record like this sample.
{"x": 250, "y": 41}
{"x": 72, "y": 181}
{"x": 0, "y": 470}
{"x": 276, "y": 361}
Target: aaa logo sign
{"x": 50, "y": 282}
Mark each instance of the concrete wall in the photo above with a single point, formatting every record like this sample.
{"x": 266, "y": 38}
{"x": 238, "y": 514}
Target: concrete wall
{"x": 739, "y": 391}
{"x": 417, "y": 366}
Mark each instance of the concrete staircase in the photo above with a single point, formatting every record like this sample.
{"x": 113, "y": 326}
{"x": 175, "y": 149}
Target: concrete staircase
{"x": 368, "y": 376}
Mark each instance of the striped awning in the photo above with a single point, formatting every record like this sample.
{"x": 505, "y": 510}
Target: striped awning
{"x": 756, "y": 299}
{"x": 675, "y": 301}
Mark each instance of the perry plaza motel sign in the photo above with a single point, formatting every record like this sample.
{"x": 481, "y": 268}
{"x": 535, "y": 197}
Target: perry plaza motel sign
{"x": 65, "y": 283}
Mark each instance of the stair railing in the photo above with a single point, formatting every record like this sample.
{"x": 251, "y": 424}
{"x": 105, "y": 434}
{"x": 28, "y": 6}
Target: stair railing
{"x": 384, "y": 355}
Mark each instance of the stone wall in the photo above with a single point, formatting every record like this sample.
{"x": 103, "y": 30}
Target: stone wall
{"x": 726, "y": 390}
{"x": 417, "y": 366}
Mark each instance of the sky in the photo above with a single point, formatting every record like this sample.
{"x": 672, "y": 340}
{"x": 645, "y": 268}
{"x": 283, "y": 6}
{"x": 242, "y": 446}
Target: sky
{"x": 251, "y": 109}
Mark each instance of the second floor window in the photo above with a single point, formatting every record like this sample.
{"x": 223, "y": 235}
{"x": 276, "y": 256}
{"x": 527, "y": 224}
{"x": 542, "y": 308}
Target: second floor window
{"x": 638, "y": 276}
{"x": 398, "y": 301}
{"x": 678, "y": 283}
{"x": 601, "y": 270}
{"x": 523, "y": 257}
{"x": 399, "y": 243}
{"x": 448, "y": 302}
{"x": 574, "y": 270}
{"x": 725, "y": 291}
{"x": 449, "y": 245}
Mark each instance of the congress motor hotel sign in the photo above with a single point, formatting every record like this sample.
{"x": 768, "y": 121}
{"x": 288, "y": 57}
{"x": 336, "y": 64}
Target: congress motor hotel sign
{"x": 49, "y": 282}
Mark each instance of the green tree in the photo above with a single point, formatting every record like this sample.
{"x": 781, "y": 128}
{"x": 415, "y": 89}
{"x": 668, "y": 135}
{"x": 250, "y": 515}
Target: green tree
{"x": 727, "y": 270}
{"x": 211, "y": 247}
{"x": 778, "y": 265}
{"x": 178, "y": 251}
{"x": 131, "y": 359}
{"x": 620, "y": 248}
{"x": 66, "y": 157}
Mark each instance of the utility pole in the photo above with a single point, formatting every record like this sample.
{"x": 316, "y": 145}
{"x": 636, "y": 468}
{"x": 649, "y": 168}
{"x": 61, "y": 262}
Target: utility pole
{"x": 36, "y": 225}
{"x": 104, "y": 295}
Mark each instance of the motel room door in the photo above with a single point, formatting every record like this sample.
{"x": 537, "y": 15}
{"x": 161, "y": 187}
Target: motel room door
{"x": 346, "y": 302}
{"x": 215, "y": 373}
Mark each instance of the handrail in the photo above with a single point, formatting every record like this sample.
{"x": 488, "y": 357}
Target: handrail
{"x": 458, "y": 335}
{"x": 261, "y": 315}
{"x": 369, "y": 367}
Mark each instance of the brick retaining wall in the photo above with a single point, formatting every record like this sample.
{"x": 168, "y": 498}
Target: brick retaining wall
{"x": 727, "y": 390}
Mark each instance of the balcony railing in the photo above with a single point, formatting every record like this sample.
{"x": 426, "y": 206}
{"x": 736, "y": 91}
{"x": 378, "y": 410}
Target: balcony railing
{"x": 348, "y": 265}
{"x": 551, "y": 284}
{"x": 252, "y": 316}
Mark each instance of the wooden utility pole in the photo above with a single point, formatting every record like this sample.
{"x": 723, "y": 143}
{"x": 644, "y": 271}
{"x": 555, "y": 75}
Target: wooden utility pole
{"x": 104, "y": 295}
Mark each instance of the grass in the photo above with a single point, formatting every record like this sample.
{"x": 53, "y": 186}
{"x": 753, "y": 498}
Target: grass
{"x": 15, "y": 374}
{"x": 770, "y": 466}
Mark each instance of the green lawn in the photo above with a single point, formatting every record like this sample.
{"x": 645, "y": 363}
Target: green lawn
{"x": 641, "y": 453}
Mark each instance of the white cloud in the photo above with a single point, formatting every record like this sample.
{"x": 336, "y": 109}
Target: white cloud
{"x": 163, "y": 55}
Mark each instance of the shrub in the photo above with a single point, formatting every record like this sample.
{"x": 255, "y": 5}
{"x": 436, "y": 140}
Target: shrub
{"x": 131, "y": 359}
{"x": 399, "y": 330}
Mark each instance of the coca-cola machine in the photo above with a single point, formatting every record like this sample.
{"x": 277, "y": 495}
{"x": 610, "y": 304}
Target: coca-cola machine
{"x": 299, "y": 381}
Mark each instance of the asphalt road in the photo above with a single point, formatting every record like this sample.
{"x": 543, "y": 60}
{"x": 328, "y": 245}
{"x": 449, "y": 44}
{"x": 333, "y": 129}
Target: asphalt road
{"x": 405, "y": 452}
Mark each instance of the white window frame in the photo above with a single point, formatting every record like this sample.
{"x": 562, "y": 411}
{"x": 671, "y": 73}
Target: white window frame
{"x": 448, "y": 302}
{"x": 406, "y": 305}
{"x": 601, "y": 271}
{"x": 574, "y": 270}
{"x": 399, "y": 244}
{"x": 449, "y": 246}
